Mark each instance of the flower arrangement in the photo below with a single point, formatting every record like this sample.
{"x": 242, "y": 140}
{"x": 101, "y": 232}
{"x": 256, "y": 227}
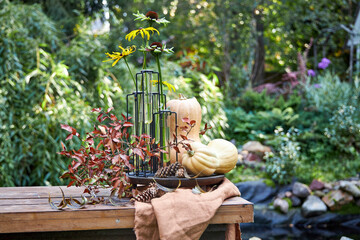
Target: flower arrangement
{"x": 112, "y": 155}
{"x": 112, "y": 150}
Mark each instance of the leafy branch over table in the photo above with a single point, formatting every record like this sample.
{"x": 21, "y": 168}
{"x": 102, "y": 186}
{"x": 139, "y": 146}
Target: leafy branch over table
{"x": 104, "y": 157}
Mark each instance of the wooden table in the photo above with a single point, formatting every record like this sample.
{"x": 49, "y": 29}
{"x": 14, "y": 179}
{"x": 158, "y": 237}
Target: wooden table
{"x": 26, "y": 210}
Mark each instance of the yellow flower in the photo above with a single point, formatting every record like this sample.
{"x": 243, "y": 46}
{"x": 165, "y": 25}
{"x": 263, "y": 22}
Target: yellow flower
{"x": 168, "y": 85}
{"x": 117, "y": 55}
{"x": 143, "y": 31}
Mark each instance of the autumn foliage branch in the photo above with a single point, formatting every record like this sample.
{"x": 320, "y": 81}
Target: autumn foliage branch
{"x": 106, "y": 153}
{"x": 185, "y": 141}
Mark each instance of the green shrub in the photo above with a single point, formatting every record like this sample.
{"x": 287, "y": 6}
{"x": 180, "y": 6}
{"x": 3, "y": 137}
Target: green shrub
{"x": 256, "y": 125}
{"x": 329, "y": 93}
{"x": 246, "y": 173}
{"x": 343, "y": 131}
{"x": 252, "y": 101}
{"x": 36, "y": 95}
{"x": 281, "y": 166}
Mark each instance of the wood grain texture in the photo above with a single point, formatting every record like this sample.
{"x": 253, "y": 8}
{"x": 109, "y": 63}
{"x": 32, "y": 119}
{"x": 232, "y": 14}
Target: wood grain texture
{"x": 26, "y": 209}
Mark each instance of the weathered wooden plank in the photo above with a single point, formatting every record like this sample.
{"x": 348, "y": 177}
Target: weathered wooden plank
{"x": 34, "y": 201}
{"x": 44, "y": 207}
{"x": 27, "y": 204}
{"x": 33, "y": 208}
{"x": 26, "y": 209}
{"x": 43, "y": 192}
{"x": 44, "y": 201}
{"x": 99, "y": 217}
{"x": 234, "y": 214}
{"x": 67, "y": 224}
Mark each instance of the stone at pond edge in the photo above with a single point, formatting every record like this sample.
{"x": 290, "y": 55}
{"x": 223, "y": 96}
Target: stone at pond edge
{"x": 337, "y": 198}
{"x": 288, "y": 194}
{"x": 252, "y": 157}
{"x": 350, "y": 188}
{"x": 255, "y": 146}
{"x": 257, "y": 192}
{"x": 313, "y": 206}
{"x": 280, "y": 195}
{"x": 296, "y": 202}
{"x": 316, "y": 185}
{"x": 301, "y": 190}
{"x": 345, "y": 238}
{"x": 319, "y": 194}
{"x": 281, "y": 204}
{"x": 328, "y": 186}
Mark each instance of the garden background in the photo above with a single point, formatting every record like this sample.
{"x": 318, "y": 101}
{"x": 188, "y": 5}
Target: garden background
{"x": 247, "y": 62}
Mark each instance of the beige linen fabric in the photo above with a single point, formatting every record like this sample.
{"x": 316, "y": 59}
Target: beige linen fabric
{"x": 182, "y": 215}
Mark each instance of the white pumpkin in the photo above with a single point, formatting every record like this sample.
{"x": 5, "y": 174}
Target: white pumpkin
{"x": 201, "y": 160}
{"x": 227, "y": 154}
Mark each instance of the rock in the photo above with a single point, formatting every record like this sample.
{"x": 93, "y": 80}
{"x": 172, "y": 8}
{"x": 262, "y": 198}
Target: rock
{"x": 253, "y": 157}
{"x": 327, "y": 186}
{"x": 288, "y": 194}
{"x": 316, "y": 185}
{"x": 355, "y": 178}
{"x": 257, "y": 192}
{"x": 345, "y": 238}
{"x": 313, "y": 206}
{"x": 301, "y": 190}
{"x": 296, "y": 202}
{"x": 319, "y": 194}
{"x": 240, "y": 160}
{"x": 325, "y": 190}
{"x": 281, "y": 195}
{"x": 350, "y": 188}
{"x": 244, "y": 153}
{"x": 281, "y": 204}
{"x": 337, "y": 198}
{"x": 255, "y": 146}
{"x": 335, "y": 186}
{"x": 357, "y": 183}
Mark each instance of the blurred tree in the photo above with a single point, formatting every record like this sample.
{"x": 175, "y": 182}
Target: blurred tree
{"x": 67, "y": 13}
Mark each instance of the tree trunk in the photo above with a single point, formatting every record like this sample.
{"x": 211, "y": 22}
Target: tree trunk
{"x": 258, "y": 69}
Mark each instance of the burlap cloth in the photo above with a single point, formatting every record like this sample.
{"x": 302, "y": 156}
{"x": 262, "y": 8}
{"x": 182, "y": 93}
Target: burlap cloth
{"x": 182, "y": 214}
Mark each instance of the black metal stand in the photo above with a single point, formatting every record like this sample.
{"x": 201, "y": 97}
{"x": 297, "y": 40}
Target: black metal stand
{"x": 148, "y": 104}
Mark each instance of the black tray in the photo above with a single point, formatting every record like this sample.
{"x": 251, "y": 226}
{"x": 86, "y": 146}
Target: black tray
{"x": 173, "y": 182}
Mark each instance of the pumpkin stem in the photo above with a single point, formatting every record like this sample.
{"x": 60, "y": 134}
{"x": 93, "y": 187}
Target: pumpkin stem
{"x": 182, "y": 97}
{"x": 191, "y": 153}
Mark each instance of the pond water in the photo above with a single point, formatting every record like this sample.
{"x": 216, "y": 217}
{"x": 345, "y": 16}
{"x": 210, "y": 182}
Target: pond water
{"x": 267, "y": 233}
{"x": 273, "y": 225}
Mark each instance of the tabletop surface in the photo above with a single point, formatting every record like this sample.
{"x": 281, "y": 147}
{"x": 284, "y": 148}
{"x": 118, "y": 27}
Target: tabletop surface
{"x": 26, "y": 209}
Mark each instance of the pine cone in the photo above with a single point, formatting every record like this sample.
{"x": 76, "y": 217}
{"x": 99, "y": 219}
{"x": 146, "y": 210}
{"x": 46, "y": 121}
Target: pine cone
{"x": 148, "y": 194}
{"x": 180, "y": 173}
{"x": 160, "y": 173}
{"x": 172, "y": 168}
{"x": 168, "y": 171}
